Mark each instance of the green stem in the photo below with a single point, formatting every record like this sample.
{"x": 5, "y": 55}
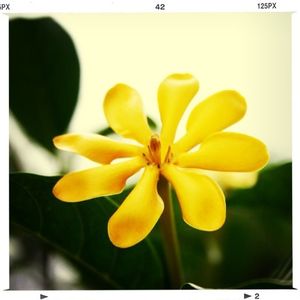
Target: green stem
{"x": 170, "y": 240}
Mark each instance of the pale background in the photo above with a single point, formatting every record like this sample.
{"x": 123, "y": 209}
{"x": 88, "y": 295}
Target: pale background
{"x": 248, "y": 52}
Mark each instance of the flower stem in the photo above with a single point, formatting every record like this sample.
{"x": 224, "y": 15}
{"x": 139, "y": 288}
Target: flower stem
{"x": 170, "y": 240}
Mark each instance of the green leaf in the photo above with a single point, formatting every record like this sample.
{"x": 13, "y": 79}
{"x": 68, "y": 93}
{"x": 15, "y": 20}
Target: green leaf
{"x": 79, "y": 230}
{"x": 106, "y": 131}
{"x": 255, "y": 241}
{"x": 151, "y": 123}
{"x": 43, "y": 77}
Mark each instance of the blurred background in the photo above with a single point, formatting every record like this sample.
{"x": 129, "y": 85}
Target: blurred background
{"x": 247, "y": 52}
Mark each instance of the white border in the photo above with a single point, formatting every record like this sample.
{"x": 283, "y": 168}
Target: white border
{"x": 27, "y": 6}
{"x": 4, "y": 169}
{"x": 155, "y": 294}
{"x": 38, "y": 6}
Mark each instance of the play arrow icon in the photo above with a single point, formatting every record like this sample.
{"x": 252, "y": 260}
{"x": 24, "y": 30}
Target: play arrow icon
{"x": 43, "y": 296}
{"x": 246, "y": 296}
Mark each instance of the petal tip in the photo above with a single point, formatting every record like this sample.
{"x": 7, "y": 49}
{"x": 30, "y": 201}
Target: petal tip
{"x": 56, "y": 141}
{"x": 118, "y": 239}
{"x": 57, "y": 192}
{"x": 240, "y": 100}
{"x": 265, "y": 158}
{"x": 214, "y": 226}
{"x": 181, "y": 76}
{"x": 117, "y": 90}
{"x": 186, "y": 78}
{"x": 61, "y": 193}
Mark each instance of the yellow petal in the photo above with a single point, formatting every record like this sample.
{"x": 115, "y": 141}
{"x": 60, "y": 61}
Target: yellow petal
{"x": 201, "y": 200}
{"x": 174, "y": 95}
{"x": 215, "y": 113}
{"x": 236, "y": 180}
{"x": 139, "y": 212}
{"x": 96, "y": 182}
{"x": 96, "y": 147}
{"x": 124, "y": 113}
{"x": 227, "y": 151}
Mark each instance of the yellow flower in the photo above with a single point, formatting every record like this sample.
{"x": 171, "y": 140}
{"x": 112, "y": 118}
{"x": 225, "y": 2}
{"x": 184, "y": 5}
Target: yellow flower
{"x": 201, "y": 200}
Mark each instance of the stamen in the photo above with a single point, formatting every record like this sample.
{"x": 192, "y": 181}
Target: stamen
{"x": 154, "y": 149}
{"x": 150, "y": 154}
{"x": 167, "y": 158}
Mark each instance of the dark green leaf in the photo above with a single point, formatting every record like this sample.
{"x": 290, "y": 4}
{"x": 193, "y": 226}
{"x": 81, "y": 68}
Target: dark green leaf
{"x": 79, "y": 231}
{"x": 106, "y": 131}
{"x": 151, "y": 123}
{"x": 43, "y": 77}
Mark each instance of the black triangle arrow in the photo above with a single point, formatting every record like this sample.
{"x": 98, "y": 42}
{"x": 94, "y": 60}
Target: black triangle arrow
{"x": 43, "y": 296}
{"x": 246, "y": 296}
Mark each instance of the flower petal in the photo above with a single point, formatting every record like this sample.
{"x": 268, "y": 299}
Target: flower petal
{"x": 96, "y": 147}
{"x": 201, "y": 200}
{"x": 96, "y": 182}
{"x": 139, "y": 212}
{"x": 174, "y": 94}
{"x": 215, "y": 113}
{"x": 124, "y": 113}
{"x": 233, "y": 180}
{"x": 227, "y": 151}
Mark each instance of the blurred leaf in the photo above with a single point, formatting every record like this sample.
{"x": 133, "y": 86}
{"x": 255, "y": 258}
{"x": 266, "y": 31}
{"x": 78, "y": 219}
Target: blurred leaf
{"x": 14, "y": 162}
{"x": 106, "y": 131}
{"x": 109, "y": 131}
{"x": 151, "y": 123}
{"x": 285, "y": 270}
{"x": 79, "y": 230}
{"x": 254, "y": 242}
{"x": 43, "y": 77}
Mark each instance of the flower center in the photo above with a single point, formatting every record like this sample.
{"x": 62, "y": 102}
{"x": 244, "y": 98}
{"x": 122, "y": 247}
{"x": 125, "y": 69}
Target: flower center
{"x": 153, "y": 155}
{"x": 154, "y": 149}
